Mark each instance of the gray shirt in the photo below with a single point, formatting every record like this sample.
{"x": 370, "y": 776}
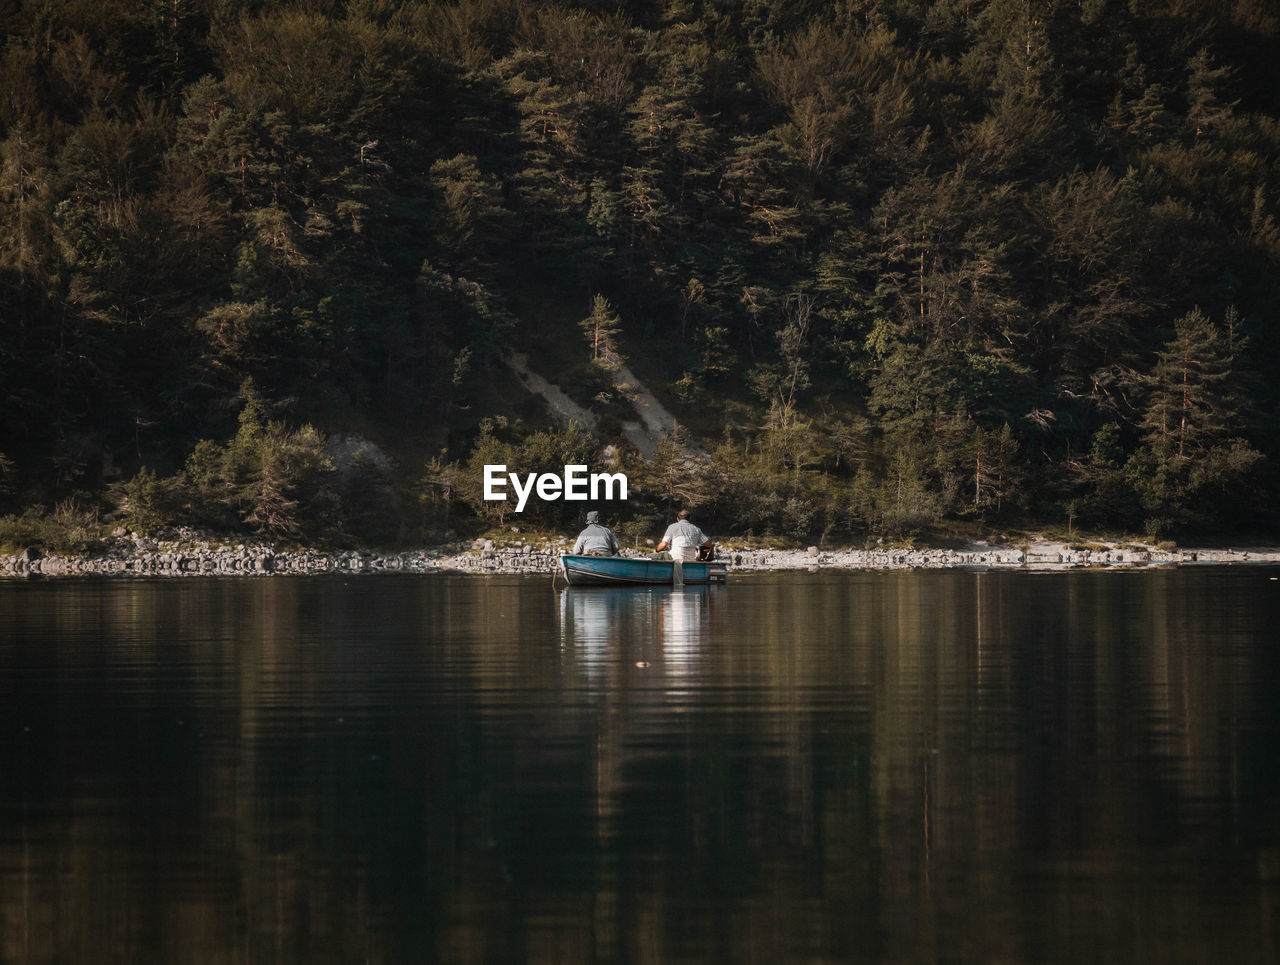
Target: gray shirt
{"x": 595, "y": 538}
{"x": 684, "y": 539}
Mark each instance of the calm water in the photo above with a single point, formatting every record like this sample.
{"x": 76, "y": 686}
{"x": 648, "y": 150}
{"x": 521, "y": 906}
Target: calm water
{"x": 902, "y": 767}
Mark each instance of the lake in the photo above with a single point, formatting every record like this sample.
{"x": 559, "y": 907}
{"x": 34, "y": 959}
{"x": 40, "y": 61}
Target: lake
{"x": 927, "y": 766}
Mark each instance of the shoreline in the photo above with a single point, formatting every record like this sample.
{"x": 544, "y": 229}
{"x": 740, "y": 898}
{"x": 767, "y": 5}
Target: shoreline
{"x": 147, "y": 558}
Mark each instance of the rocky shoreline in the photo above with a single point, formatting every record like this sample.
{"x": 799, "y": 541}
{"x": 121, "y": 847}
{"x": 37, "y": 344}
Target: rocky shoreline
{"x": 148, "y": 558}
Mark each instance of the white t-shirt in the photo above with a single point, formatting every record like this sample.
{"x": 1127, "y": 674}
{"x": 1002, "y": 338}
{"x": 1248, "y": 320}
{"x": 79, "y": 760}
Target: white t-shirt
{"x": 684, "y": 539}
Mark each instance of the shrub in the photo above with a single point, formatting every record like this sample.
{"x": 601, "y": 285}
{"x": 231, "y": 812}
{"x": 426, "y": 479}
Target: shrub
{"x": 151, "y": 501}
{"x": 70, "y": 528}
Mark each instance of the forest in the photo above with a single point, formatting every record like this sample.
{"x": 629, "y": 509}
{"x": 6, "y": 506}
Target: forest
{"x": 899, "y": 267}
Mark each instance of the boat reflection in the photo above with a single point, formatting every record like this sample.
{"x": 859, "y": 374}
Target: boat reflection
{"x": 646, "y": 626}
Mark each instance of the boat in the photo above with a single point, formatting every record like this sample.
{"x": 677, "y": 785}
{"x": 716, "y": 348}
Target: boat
{"x": 633, "y": 570}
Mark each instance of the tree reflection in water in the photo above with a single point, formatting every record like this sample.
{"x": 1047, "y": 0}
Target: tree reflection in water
{"x": 906, "y": 767}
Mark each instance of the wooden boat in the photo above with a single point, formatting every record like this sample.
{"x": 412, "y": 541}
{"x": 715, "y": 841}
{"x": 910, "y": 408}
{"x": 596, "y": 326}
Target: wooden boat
{"x": 630, "y": 570}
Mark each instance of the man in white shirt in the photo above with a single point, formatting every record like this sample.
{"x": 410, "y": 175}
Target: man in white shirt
{"x": 684, "y": 539}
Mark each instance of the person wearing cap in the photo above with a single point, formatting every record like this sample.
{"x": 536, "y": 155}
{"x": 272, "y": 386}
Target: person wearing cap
{"x": 685, "y": 539}
{"x": 595, "y": 540}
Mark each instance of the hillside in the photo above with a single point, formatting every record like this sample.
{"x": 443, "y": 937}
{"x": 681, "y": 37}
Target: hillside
{"x": 894, "y": 266}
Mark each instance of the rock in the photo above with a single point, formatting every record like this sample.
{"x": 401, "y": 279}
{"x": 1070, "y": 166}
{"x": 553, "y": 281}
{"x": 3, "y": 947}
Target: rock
{"x": 812, "y": 551}
{"x": 349, "y": 452}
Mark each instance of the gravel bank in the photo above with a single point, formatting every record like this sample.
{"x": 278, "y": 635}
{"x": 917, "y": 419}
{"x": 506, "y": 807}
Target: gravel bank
{"x": 204, "y": 558}
{"x": 1036, "y": 556}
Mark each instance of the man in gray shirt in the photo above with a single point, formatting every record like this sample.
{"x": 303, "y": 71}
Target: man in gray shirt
{"x": 595, "y": 540}
{"x": 684, "y": 538}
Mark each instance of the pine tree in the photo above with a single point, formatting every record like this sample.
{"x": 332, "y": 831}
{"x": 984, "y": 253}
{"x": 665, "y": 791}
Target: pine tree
{"x": 1206, "y": 109}
{"x": 1192, "y": 466}
{"x": 1189, "y": 408}
{"x": 601, "y": 328}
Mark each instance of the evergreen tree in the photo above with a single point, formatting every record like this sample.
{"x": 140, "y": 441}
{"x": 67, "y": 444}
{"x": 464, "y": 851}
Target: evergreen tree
{"x": 601, "y": 328}
{"x": 1189, "y": 407}
{"x": 1207, "y": 111}
{"x": 1191, "y": 463}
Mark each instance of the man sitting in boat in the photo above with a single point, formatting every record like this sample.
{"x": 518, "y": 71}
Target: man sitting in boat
{"x": 595, "y": 540}
{"x": 686, "y": 541}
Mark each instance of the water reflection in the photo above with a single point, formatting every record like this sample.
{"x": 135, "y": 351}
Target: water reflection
{"x": 832, "y": 767}
{"x": 647, "y": 625}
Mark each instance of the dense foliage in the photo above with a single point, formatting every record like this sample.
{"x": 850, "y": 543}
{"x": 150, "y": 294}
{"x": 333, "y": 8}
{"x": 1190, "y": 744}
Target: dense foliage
{"x": 892, "y": 261}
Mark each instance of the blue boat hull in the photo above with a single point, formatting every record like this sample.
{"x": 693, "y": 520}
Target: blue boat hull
{"x": 628, "y": 571}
